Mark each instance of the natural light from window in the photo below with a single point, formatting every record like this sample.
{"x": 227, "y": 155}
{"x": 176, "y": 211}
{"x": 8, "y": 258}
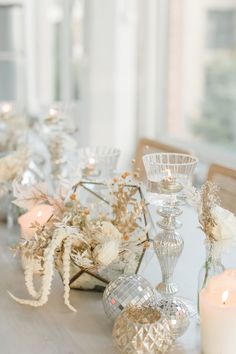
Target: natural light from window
{"x": 201, "y": 104}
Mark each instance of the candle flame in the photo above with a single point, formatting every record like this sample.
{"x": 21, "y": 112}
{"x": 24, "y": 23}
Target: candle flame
{"x": 225, "y": 296}
{"x": 39, "y": 213}
{"x": 53, "y": 112}
{"x": 92, "y": 161}
{"x": 168, "y": 173}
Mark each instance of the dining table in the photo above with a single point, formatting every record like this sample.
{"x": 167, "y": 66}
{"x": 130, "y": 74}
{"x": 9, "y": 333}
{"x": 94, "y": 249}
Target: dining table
{"x": 54, "y": 329}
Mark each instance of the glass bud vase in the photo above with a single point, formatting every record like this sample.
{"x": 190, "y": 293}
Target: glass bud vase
{"x": 210, "y": 268}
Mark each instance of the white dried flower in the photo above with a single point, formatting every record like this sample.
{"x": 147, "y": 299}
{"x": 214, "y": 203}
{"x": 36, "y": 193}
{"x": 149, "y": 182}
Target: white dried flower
{"x": 59, "y": 236}
{"x": 27, "y": 197}
{"x": 82, "y": 260}
{"x": 107, "y": 252}
{"x": 108, "y": 232}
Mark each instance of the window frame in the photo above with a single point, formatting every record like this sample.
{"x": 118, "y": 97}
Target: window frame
{"x": 18, "y": 58}
{"x": 39, "y": 75}
{"x": 207, "y": 152}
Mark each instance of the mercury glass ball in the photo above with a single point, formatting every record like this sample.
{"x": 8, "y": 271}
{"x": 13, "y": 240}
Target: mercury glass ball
{"x": 127, "y": 290}
{"x": 177, "y": 314}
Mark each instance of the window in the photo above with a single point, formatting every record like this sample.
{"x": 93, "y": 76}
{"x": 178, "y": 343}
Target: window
{"x": 63, "y": 47}
{"x": 48, "y": 35}
{"x": 158, "y": 68}
{"x": 221, "y": 32}
{"x": 11, "y": 53}
{"x": 218, "y": 109}
{"x": 201, "y": 76}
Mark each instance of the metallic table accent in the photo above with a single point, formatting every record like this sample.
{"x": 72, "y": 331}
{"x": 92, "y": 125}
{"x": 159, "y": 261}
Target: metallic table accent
{"x": 177, "y": 314}
{"x": 167, "y": 174}
{"x": 168, "y": 246}
{"x": 52, "y": 329}
{"x": 142, "y": 331}
{"x": 127, "y": 290}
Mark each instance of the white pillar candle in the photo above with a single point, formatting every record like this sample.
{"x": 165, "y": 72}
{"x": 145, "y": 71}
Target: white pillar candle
{"x": 218, "y": 314}
{"x": 40, "y": 214}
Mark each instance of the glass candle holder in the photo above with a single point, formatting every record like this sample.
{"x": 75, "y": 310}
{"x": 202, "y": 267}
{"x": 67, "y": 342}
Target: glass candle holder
{"x": 98, "y": 162}
{"x": 142, "y": 330}
{"x": 167, "y": 174}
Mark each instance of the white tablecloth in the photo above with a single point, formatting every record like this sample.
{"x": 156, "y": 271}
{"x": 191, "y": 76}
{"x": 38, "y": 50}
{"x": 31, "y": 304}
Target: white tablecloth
{"x": 53, "y": 329}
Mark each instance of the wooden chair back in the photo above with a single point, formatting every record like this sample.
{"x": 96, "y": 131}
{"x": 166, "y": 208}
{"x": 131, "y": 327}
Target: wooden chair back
{"x": 225, "y": 178}
{"x": 148, "y": 146}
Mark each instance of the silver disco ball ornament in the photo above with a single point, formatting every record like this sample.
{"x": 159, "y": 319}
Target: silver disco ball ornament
{"x": 125, "y": 291}
{"x": 177, "y": 314}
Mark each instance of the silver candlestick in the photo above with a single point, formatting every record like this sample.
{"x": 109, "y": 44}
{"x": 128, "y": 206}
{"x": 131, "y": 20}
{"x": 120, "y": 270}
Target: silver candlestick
{"x": 168, "y": 246}
{"x": 167, "y": 175}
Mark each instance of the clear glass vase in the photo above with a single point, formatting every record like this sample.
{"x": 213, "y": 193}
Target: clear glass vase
{"x": 210, "y": 268}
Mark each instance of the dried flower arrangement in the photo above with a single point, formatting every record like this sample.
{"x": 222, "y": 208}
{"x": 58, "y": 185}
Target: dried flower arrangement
{"x": 217, "y": 223}
{"x": 73, "y": 235}
{"x": 218, "y": 226}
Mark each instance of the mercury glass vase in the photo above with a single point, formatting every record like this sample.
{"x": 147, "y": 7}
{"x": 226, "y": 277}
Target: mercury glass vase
{"x": 142, "y": 330}
{"x": 168, "y": 246}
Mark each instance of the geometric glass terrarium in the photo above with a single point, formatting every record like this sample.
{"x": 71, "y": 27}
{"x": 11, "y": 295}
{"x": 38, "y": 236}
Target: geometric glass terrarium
{"x": 129, "y": 261}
